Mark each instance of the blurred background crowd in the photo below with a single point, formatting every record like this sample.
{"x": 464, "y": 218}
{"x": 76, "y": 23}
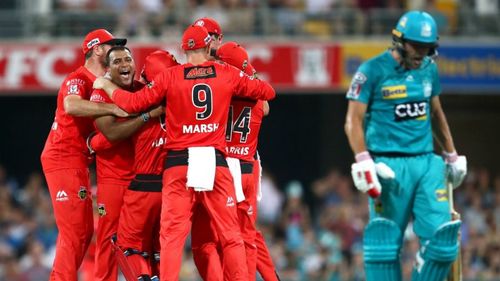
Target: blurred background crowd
{"x": 161, "y": 18}
{"x": 313, "y": 232}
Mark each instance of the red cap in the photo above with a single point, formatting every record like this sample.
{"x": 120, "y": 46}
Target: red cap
{"x": 156, "y": 62}
{"x": 195, "y": 37}
{"x": 235, "y": 55}
{"x": 98, "y": 37}
{"x": 210, "y": 24}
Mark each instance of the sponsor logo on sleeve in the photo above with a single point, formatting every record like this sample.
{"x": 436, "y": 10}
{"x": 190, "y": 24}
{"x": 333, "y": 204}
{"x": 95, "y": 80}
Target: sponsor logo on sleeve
{"x": 97, "y": 98}
{"x": 356, "y": 84}
{"x": 74, "y": 85}
{"x": 394, "y": 92}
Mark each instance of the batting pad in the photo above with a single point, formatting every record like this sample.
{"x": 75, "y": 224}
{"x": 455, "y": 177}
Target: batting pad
{"x": 437, "y": 254}
{"x": 381, "y": 245}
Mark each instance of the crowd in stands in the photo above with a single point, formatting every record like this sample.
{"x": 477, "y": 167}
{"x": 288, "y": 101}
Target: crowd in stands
{"x": 313, "y": 232}
{"x": 152, "y": 19}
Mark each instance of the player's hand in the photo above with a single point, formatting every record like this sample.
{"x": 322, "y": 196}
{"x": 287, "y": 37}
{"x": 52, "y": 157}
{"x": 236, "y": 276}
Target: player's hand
{"x": 365, "y": 178}
{"x": 456, "y": 168}
{"x": 157, "y": 111}
{"x": 118, "y": 112}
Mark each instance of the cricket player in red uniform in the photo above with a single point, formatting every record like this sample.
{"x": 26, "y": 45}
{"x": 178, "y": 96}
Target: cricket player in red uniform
{"x": 197, "y": 96}
{"x": 244, "y": 121}
{"x": 115, "y": 164}
{"x": 65, "y": 158}
{"x": 139, "y": 224}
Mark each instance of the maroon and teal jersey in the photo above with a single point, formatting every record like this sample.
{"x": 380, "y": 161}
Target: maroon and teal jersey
{"x": 197, "y": 101}
{"x": 65, "y": 146}
{"x": 242, "y": 133}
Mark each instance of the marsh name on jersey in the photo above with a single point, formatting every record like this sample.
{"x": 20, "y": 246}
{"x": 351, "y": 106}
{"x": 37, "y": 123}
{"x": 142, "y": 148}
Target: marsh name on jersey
{"x": 200, "y": 128}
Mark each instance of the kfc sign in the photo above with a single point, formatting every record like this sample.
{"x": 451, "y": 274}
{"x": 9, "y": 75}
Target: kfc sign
{"x": 40, "y": 68}
{"x": 36, "y": 67}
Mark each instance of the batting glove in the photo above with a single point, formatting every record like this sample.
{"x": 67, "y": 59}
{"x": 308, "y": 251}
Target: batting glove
{"x": 456, "y": 168}
{"x": 364, "y": 175}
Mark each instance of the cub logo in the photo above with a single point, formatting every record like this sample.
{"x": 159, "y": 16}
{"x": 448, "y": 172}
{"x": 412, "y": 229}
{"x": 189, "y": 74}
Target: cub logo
{"x": 410, "y": 110}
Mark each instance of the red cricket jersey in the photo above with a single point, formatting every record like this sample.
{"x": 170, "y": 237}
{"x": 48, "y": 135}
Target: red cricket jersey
{"x": 115, "y": 164}
{"x": 149, "y": 143}
{"x": 197, "y": 101}
{"x": 243, "y": 126}
{"x": 65, "y": 146}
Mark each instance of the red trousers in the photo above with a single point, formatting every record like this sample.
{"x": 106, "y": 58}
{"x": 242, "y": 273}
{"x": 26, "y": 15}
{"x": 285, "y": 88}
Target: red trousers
{"x": 204, "y": 244}
{"x": 178, "y": 205}
{"x": 72, "y": 202}
{"x": 139, "y": 228}
{"x": 109, "y": 204}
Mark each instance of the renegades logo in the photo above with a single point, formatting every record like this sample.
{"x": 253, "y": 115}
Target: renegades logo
{"x": 196, "y": 72}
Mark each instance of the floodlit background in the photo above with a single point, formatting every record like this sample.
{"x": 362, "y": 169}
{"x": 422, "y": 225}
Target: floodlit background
{"x": 311, "y": 214}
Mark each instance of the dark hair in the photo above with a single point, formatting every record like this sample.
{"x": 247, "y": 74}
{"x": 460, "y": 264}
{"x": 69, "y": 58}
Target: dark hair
{"x": 115, "y": 48}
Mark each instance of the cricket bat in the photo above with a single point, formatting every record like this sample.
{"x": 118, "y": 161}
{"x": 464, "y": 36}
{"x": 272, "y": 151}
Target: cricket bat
{"x": 456, "y": 267}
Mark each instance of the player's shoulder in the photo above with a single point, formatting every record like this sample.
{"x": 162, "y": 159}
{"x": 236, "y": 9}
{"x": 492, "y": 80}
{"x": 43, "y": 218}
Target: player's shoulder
{"x": 377, "y": 62}
{"x": 80, "y": 77}
{"x": 99, "y": 95}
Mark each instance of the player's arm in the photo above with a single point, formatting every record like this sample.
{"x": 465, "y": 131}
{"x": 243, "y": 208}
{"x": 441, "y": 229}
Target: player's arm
{"x": 76, "y": 106}
{"x": 440, "y": 128}
{"x": 456, "y": 164}
{"x": 97, "y": 142}
{"x": 354, "y": 126}
{"x": 249, "y": 87}
{"x": 115, "y": 131}
{"x": 134, "y": 102}
{"x": 265, "y": 108}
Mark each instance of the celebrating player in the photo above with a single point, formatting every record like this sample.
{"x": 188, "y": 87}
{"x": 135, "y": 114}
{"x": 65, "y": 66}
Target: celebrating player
{"x": 197, "y": 96}
{"x": 139, "y": 225}
{"x": 115, "y": 164}
{"x": 64, "y": 158}
{"x": 394, "y": 110}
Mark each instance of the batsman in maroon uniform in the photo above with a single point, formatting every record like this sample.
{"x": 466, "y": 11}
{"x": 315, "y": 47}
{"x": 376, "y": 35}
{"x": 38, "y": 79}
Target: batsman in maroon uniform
{"x": 197, "y": 96}
{"x": 65, "y": 157}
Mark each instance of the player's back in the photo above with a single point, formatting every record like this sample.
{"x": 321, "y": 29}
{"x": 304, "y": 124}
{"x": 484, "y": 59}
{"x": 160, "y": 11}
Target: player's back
{"x": 65, "y": 146}
{"x": 242, "y": 132}
{"x": 197, "y": 104}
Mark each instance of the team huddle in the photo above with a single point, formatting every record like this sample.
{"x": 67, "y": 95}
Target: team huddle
{"x": 175, "y": 151}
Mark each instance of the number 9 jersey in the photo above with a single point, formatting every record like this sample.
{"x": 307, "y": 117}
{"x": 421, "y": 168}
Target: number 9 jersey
{"x": 397, "y": 119}
{"x": 197, "y": 101}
